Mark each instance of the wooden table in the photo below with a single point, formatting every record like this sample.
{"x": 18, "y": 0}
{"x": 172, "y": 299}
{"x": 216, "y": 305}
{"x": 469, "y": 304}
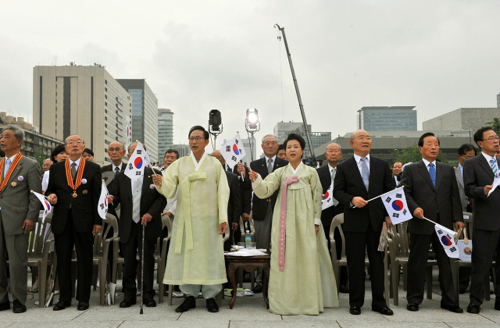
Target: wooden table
{"x": 250, "y": 264}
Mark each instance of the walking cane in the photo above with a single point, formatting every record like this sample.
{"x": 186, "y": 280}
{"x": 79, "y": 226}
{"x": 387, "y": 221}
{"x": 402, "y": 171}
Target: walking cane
{"x": 142, "y": 269}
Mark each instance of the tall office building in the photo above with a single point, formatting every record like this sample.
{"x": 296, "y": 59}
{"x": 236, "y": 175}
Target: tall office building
{"x": 165, "y": 131}
{"x": 283, "y": 129}
{"x": 144, "y": 114}
{"x": 182, "y": 149}
{"x": 387, "y": 118}
{"x": 462, "y": 119}
{"x": 82, "y": 100}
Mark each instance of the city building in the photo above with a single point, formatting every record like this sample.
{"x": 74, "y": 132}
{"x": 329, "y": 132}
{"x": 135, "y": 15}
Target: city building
{"x": 386, "y": 144}
{"x": 387, "y": 118}
{"x": 82, "y": 100}
{"x": 165, "y": 131}
{"x": 36, "y": 145}
{"x": 182, "y": 149}
{"x": 144, "y": 114}
{"x": 462, "y": 119}
{"x": 283, "y": 129}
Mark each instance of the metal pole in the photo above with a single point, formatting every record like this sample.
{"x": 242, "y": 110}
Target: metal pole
{"x": 304, "y": 120}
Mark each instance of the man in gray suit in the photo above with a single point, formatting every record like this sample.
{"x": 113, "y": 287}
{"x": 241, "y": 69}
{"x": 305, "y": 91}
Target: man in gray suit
{"x": 431, "y": 191}
{"x": 465, "y": 151}
{"x": 479, "y": 174}
{"x": 19, "y": 211}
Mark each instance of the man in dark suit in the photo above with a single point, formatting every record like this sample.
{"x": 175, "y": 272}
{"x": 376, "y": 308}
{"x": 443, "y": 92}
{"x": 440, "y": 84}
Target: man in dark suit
{"x": 432, "y": 191}
{"x": 479, "y": 173}
{"x": 234, "y": 204}
{"x": 18, "y": 215}
{"x": 326, "y": 175}
{"x": 141, "y": 205}
{"x": 116, "y": 151}
{"x": 74, "y": 190}
{"x": 360, "y": 178}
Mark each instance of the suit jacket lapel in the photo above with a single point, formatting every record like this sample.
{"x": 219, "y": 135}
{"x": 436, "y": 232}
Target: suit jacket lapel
{"x": 16, "y": 170}
{"x": 458, "y": 175}
{"x": 355, "y": 171}
{"x": 422, "y": 169}
{"x": 486, "y": 166}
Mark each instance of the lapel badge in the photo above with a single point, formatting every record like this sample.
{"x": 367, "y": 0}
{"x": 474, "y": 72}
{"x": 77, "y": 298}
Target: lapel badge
{"x": 151, "y": 186}
{"x": 84, "y": 181}
{"x": 85, "y": 192}
{"x": 20, "y": 178}
{"x": 13, "y": 184}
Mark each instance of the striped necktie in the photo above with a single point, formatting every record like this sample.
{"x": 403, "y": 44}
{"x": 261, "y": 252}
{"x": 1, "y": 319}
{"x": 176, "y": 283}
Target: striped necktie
{"x": 493, "y": 164}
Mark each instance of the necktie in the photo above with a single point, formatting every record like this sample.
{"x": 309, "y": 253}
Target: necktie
{"x": 117, "y": 170}
{"x": 270, "y": 165}
{"x": 136, "y": 201}
{"x": 432, "y": 173}
{"x": 7, "y": 165}
{"x": 73, "y": 170}
{"x": 333, "y": 173}
{"x": 493, "y": 164}
{"x": 365, "y": 174}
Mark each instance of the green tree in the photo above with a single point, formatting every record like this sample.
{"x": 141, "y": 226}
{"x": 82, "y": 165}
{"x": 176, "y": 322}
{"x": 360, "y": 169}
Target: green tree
{"x": 495, "y": 124}
{"x": 412, "y": 154}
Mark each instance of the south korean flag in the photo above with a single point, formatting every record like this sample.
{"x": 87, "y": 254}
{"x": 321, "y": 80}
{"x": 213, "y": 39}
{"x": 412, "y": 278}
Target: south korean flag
{"x": 232, "y": 150}
{"x": 396, "y": 206}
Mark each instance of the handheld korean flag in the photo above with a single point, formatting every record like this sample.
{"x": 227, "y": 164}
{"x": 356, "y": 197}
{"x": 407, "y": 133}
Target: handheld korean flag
{"x": 47, "y": 208}
{"x": 327, "y": 199}
{"x": 447, "y": 240}
{"x": 232, "y": 151}
{"x": 396, "y": 206}
{"x": 136, "y": 163}
{"x": 102, "y": 206}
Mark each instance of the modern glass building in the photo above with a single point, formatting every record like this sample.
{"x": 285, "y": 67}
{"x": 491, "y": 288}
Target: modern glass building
{"x": 387, "y": 118}
{"x": 144, "y": 114}
{"x": 165, "y": 131}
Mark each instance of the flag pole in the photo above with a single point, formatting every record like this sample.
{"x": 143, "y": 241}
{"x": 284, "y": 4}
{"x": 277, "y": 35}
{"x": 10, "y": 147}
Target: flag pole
{"x": 381, "y": 195}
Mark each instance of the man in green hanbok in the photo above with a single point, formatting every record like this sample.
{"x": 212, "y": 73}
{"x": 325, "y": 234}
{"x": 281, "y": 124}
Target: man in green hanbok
{"x": 195, "y": 259}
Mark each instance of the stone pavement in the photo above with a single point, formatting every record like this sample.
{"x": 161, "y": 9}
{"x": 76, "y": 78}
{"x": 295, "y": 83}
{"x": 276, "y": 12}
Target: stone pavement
{"x": 249, "y": 312}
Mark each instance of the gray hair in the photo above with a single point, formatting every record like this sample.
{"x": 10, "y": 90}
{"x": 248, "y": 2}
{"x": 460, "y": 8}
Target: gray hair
{"x": 334, "y": 144}
{"x": 121, "y": 143}
{"x": 135, "y": 143}
{"x": 74, "y": 135}
{"x": 18, "y": 132}
{"x": 47, "y": 159}
{"x": 269, "y": 135}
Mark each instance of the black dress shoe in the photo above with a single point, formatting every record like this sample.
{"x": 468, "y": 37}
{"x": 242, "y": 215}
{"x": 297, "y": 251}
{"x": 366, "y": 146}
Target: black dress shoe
{"x": 128, "y": 302}
{"x": 473, "y": 308}
{"x": 150, "y": 302}
{"x": 82, "y": 306}
{"x": 4, "y": 306}
{"x": 412, "y": 307}
{"x": 355, "y": 310}
{"x": 17, "y": 307}
{"x": 384, "y": 310}
{"x": 453, "y": 308}
{"x": 189, "y": 303}
{"x": 257, "y": 289}
{"x": 212, "y": 305}
{"x": 343, "y": 289}
{"x": 61, "y": 306}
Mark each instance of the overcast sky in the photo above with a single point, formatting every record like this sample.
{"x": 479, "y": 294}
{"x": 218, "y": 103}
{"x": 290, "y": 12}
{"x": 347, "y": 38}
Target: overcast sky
{"x": 198, "y": 55}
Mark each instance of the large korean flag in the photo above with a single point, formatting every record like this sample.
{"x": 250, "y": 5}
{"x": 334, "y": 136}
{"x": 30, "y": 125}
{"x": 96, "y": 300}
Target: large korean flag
{"x": 396, "y": 206}
{"x": 136, "y": 163}
{"x": 232, "y": 151}
{"x": 327, "y": 200}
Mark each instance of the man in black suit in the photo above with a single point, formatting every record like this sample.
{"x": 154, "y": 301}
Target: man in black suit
{"x": 262, "y": 209}
{"x": 432, "y": 191}
{"x": 479, "y": 173}
{"x": 326, "y": 175}
{"x": 141, "y": 205}
{"x": 74, "y": 190}
{"x": 116, "y": 151}
{"x": 360, "y": 178}
{"x": 234, "y": 204}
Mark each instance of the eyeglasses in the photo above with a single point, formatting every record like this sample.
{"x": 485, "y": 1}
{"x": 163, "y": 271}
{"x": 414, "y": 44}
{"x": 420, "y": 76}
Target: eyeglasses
{"x": 196, "y": 139}
{"x": 270, "y": 143}
{"x": 491, "y": 139}
{"x": 115, "y": 149}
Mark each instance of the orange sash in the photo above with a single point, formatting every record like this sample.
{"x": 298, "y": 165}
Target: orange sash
{"x": 11, "y": 169}
{"x": 79, "y": 174}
